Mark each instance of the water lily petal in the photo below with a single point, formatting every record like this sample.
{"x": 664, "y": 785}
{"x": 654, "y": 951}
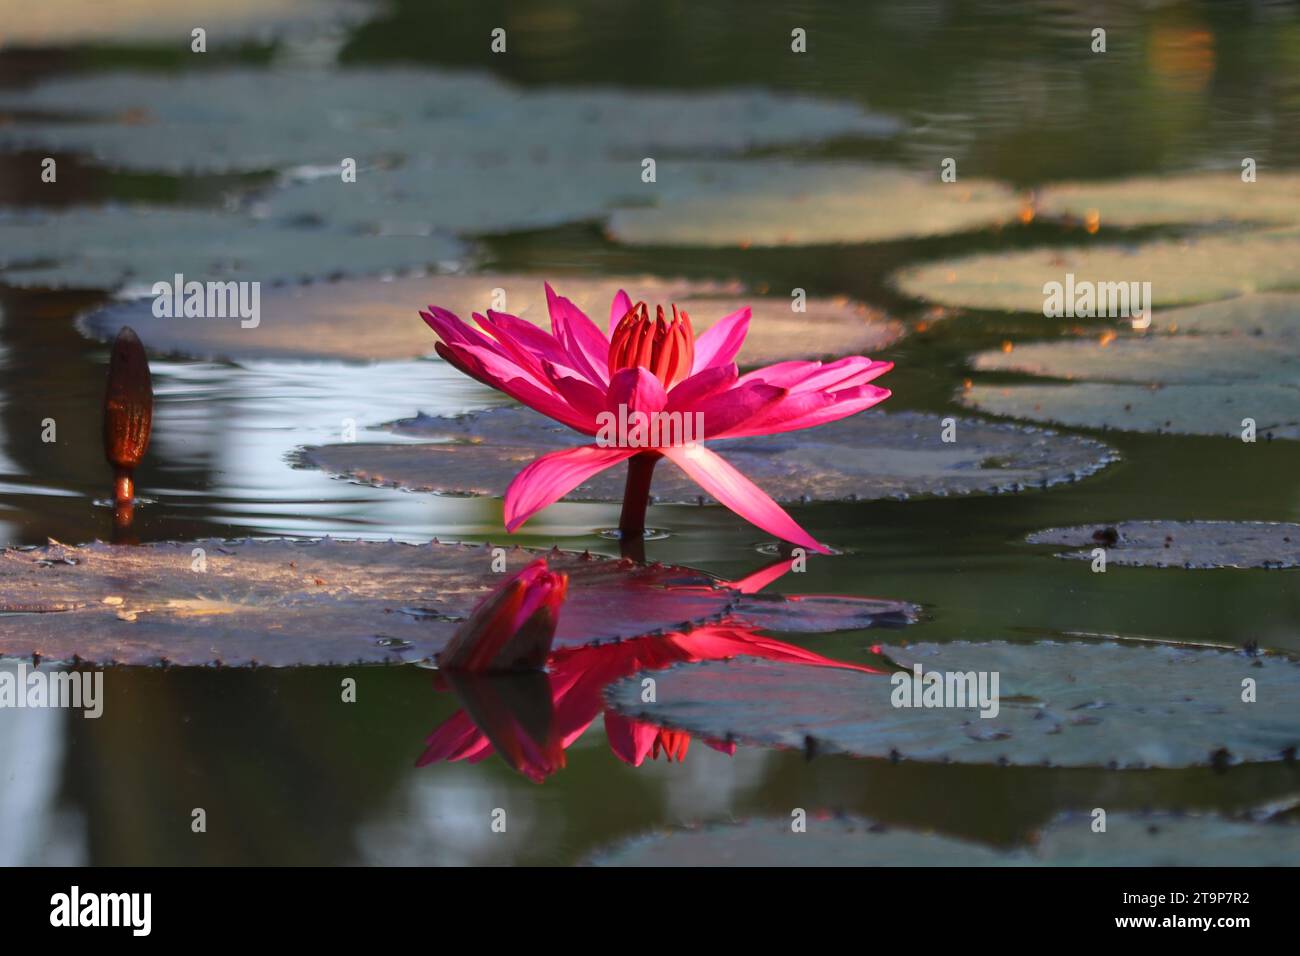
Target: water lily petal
{"x": 549, "y": 478}
{"x": 618, "y": 308}
{"x": 741, "y": 495}
{"x": 825, "y": 376}
{"x": 685, "y": 394}
{"x": 637, "y": 388}
{"x": 505, "y": 375}
{"x": 720, "y": 343}
{"x": 586, "y": 344}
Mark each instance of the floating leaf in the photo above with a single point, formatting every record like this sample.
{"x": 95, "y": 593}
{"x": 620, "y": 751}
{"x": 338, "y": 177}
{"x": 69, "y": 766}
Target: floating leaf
{"x": 1130, "y": 839}
{"x": 772, "y": 203}
{"x": 1240, "y": 361}
{"x": 1182, "y": 544}
{"x": 89, "y": 21}
{"x": 1061, "y": 704}
{"x": 1188, "y": 199}
{"x": 1198, "y": 269}
{"x": 373, "y": 319}
{"x": 449, "y": 124}
{"x": 1177, "y": 409}
{"x": 282, "y": 602}
{"x": 137, "y": 247}
{"x": 868, "y": 456}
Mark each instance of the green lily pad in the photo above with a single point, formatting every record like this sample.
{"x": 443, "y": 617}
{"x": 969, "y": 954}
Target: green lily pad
{"x": 1177, "y": 409}
{"x": 448, "y": 124}
{"x": 372, "y": 319}
{"x": 1187, "y": 199}
{"x": 1208, "y": 368}
{"x": 774, "y": 202}
{"x": 1130, "y": 839}
{"x": 130, "y": 247}
{"x": 1060, "y": 704}
{"x": 1181, "y": 271}
{"x": 291, "y": 602}
{"x": 1182, "y": 544}
{"x": 1159, "y": 360}
{"x": 868, "y": 456}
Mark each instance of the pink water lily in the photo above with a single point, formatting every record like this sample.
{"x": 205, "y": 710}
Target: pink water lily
{"x": 578, "y": 375}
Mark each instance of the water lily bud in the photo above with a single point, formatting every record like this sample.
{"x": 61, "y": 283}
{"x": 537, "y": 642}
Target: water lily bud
{"x": 513, "y": 627}
{"x": 128, "y": 411}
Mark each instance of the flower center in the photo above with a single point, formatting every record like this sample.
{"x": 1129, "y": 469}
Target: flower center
{"x": 667, "y": 349}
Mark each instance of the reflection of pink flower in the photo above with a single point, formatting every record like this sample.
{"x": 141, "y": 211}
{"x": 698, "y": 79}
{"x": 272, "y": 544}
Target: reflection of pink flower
{"x": 513, "y": 627}
{"x": 574, "y": 374}
{"x": 506, "y": 713}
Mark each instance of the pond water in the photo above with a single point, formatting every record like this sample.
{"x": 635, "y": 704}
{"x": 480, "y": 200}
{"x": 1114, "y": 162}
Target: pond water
{"x": 287, "y": 773}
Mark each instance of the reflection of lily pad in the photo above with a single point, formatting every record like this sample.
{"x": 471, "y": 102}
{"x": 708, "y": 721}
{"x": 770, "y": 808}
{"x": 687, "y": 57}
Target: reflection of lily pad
{"x": 1072, "y": 704}
{"x": 867, "y": 456}
{"x": 836, "y": 841}
{"x": 1166, "y": 839}
{"x": 1198, "y": 269}
{"x": 1182, "y": 544}
{"x": 1130, "y": 839}
{"x": 373, "y": 319}
{"x": 769, "y": 203}
{"x": 322, "y": 602}
{"x": 124, "y": 246}
{"x": 448, "y": 123}
{"x": 1190, "y": 199}
{"x": 1239, "y": 361}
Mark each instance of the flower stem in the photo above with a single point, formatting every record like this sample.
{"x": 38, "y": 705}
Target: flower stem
{"x": 636, "y": 496}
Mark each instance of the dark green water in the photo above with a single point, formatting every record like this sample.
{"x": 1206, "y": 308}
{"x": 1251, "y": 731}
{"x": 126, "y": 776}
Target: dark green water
{"x": 288, "y": 774}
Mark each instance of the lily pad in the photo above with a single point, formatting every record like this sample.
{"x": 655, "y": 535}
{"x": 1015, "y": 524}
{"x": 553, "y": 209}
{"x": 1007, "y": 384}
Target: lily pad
{"x": 868, "y": 456}
{"x": 448, "y": 123}
{"x": 773, "y": 203}
{"x": 1130, "y": 839}
{"x": 90, "y": 21}
{"x": 286, "y": 602}
{"x": 1239, "y": 361}
{"x": 1187, "y": 199}
{"x": 1181, "y": 271}
{"x": 121, "y": 246}
{"x": 1182, "y": 544}
{"x": 375, "y": 319}
{"x": 1060, "y": 704}
{"x": 1176, "y": 409}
